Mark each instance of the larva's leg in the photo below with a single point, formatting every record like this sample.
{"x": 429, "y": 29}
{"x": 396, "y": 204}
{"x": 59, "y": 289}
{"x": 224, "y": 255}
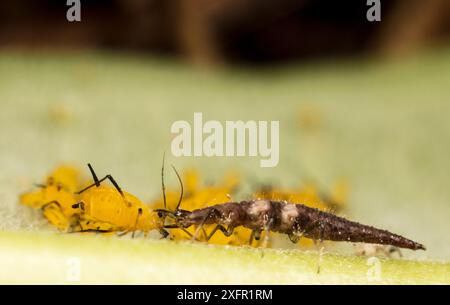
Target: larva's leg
{"x": 256, "y": 234}
{"x": 123, "y": 233}
{"x": 320, "y": 241}
{"x": 200, "y": 227}
{"x": 211, "y": 212}
{"x": 295, "y": 237}
{"x": 97, "y": 182}
{"x": 227, "y": 232}
{"x": 174, "y": 226}
{"x": 394, "y": 249}
{"x": 266, "y": 239}
{"x": 320, "y": 257}
{"x": 164, "y": 233}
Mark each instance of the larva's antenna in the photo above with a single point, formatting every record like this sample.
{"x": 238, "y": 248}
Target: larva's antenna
{"x": 162, "y": 181}
{"x": 182, "y": 189}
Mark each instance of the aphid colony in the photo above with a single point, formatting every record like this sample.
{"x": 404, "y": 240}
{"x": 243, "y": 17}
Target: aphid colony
{"x": 96, "y": 207}
{"x": 74, "y": 205}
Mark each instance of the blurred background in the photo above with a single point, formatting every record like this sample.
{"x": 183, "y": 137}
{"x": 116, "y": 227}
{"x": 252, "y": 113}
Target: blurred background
{"x": 358, "y": 101}
{"x": 244, "y": 31}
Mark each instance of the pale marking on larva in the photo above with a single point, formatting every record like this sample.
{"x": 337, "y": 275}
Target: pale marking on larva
{"x": 259, "y": 207}
{"x": 288, "y": 214}
{"x": 229, "y": 219}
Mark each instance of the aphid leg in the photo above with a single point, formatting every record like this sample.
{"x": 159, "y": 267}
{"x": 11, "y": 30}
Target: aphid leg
{"x": 79, "y": 205}
{"x": 97, "y": 182}
{"x": 48, "y": 204}
{"x": 136, "y": 222}
{"x": 58, "y": 210}
{"x": 40, "y": 185}
{"x": 227, "y": 232}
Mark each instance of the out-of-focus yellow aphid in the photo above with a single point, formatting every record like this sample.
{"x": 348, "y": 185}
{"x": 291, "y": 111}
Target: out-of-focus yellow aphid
{"x": 105, "y": 209}
{"x": 339, "y": 193}
{"x": 197, "y": 196}
{"x": 56, "y": 196}
{"x": 59, "y": 114}
{"x": 310, "y": 117}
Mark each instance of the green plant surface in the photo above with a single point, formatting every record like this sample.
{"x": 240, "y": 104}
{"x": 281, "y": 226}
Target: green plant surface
{"x": 50, "y": 258}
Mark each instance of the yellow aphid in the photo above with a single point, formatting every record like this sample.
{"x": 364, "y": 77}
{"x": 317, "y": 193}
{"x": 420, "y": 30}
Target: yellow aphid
{"x": 103, "y": 208}
{"x": 56, "y": 197}
{"x": 68, "y": 177}
{"x": 339, "y": 193}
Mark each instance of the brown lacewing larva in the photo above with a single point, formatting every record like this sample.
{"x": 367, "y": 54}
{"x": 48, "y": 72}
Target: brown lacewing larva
{"x": 295, "y": 220}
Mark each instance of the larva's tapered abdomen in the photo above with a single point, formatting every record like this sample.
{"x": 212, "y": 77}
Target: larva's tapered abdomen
{"x": 331, "y": 227}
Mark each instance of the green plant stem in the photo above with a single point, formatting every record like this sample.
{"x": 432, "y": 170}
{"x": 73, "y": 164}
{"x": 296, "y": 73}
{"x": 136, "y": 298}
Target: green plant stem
{"x": 57, "y": 258}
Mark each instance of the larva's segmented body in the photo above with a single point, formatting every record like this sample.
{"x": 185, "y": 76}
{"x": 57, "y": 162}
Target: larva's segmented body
{"x": 295, "y": 220}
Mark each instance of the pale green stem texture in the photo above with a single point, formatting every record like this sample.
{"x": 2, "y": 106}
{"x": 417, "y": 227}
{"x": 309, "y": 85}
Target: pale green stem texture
{"x": 72, "y": 259}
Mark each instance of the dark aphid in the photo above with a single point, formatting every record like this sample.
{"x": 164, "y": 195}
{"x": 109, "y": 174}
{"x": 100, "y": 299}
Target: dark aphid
{"x": 295, "y": 220}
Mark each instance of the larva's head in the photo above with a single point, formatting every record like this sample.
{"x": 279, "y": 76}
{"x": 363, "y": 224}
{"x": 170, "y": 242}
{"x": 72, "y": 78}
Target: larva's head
{"x": 178, "y": 216}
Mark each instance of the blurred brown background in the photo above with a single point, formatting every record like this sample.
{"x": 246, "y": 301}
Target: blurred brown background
{"x": 213, "y": 32}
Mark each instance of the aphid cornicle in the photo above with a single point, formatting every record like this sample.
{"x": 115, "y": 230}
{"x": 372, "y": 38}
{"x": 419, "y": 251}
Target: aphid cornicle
{"x": 295, "y": 220}
{"x": 109, "y": 209}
